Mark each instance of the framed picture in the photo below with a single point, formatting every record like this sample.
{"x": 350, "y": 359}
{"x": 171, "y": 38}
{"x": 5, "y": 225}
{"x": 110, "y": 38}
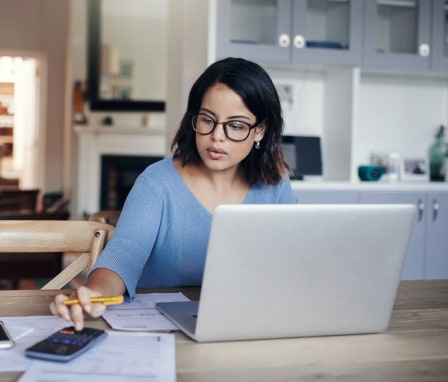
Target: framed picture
{"x": 389, "y": 162}
{"x": 414, "y": 169}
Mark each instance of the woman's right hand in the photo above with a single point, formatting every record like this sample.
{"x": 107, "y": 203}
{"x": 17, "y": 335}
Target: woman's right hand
{"x": 77, "y": 312}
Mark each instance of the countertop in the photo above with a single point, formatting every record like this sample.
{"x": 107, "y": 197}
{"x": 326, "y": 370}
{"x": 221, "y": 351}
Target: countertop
{"x": 369, "y": 186}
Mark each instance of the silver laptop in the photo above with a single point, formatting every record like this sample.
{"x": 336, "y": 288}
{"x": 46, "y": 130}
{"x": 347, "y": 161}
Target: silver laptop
{"x": 276, "y": 271}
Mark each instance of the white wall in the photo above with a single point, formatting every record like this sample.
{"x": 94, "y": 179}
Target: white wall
{"x": 188, "y": 56}
{"x": 358, "y": 112}
{"x": 400, "y": 114}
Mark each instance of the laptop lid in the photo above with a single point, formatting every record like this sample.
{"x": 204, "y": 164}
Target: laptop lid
{"x": 275, "y": 271}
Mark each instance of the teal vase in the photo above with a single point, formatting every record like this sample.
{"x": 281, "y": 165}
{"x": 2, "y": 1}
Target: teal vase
{"x": 437, "y": 153}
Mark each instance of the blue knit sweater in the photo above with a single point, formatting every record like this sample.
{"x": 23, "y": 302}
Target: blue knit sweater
{"x": 162, "y": 235}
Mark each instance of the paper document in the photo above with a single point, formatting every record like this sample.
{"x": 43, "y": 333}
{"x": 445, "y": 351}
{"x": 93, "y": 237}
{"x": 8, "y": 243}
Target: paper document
{"x": 26, "y": 331}
{"x": 141, "y": 314}
{"x": 120, "y": 357}
{"x": 18, "y": 332}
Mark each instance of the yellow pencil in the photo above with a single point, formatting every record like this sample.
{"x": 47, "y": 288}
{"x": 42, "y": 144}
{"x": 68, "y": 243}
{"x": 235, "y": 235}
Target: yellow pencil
{"x": 109, "y": 300}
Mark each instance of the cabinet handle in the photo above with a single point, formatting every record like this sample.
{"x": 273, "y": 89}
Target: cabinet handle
{"x": 284, "y": 40}
{"x": 421, "y": 209}
{"x": 424, "y": 50}
{"x": 299, "y": 41}
{"x": 435, "y": 209}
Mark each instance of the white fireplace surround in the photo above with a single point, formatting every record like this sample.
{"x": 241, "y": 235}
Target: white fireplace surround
{"x": 96, "y": 141}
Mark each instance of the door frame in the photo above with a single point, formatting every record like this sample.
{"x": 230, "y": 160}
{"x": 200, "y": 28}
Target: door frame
{"x": 41, "y": 110}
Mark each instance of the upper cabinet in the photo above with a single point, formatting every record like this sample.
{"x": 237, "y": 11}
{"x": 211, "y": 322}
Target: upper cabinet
{"x": 439, "y": 40}
{"x": 406, "y": 34}
{"x": 397, "y": 34}
{"x": 327, "y": 31}
{"x": 258, "y": 30}
{"x": 291, "y": 31}
{"x": 394, "y": 34}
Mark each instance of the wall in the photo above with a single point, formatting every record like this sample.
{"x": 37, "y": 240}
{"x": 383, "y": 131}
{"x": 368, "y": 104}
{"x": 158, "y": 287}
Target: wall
{"x": 188, "y": 35}
{"x": 78, "y": 63}
{"x": 400, "y": 113}
{"x": 41, "y": 26}
{"x": 391, "y": 112}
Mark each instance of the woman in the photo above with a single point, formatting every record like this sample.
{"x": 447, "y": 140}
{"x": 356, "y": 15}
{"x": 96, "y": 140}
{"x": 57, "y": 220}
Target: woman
{"x": 227, "y": 151}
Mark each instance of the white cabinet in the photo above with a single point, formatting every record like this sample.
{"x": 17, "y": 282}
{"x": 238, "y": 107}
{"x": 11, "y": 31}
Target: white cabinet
{"x": 406, "y": 34}
{"x": 427, "y": 256}
{"x": 397, "y": 34}
{"x": 439, "y": 45}
{"x": 327, "y": 32}
{"x": 326, "y": 197}
{"x": 291, "y": 31}
{"x": 428, "y": 250}
{"x": 257, "y": 30}
{"x": 436, "y": 220}
{"x": 415, "y": 259}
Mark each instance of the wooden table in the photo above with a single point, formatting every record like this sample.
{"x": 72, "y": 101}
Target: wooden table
{"x": 414, "y": 348}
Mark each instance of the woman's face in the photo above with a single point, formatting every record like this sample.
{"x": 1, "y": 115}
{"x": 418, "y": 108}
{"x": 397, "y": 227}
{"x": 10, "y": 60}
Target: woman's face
{"x": 219, "y": 153}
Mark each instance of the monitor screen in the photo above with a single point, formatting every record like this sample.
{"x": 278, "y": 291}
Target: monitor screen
{"x": 303, "y": 155}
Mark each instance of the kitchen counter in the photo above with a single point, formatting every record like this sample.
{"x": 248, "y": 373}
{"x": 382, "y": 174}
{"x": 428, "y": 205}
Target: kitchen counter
{"x": 369, "y": 186}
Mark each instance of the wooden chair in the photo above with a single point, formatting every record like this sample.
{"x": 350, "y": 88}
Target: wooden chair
{"x": 26, "y": 205}
{"x": 35, "y": 237}
{"x": 107, "y": 217}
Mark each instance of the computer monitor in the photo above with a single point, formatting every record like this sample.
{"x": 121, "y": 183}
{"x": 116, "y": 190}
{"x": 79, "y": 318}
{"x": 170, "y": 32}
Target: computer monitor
{"x": 303, "y": 155}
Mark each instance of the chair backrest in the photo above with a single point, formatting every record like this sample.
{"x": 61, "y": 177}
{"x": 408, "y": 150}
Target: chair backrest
{"x": 55, "y": 236}
{"x": 108, "y": 217}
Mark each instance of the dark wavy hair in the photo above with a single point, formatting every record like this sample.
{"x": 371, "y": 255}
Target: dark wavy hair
{"x": 251, "y": 82}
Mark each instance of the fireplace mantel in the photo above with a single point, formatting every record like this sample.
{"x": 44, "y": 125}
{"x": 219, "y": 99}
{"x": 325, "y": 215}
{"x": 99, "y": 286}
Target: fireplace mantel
{"x": 95, "y": 141}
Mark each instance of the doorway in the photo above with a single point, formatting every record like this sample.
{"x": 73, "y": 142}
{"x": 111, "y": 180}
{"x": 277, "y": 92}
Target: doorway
{"x": 20, "y": 119}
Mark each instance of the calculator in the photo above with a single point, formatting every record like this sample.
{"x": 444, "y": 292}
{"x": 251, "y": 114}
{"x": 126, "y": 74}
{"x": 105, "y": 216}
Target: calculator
{"x": 65, "y": 344}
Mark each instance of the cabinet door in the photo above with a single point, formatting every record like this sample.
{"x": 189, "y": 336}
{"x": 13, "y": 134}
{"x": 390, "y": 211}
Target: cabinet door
{"x": 437, "y": 236}
{"x": 415, "y": 259}
{"x": 326, "y": 196}
{"x": 327, "y": 32}
{"x": 439, "y": 43}
{"x": 254, "y": 29}
{"x": 397, "y": 34}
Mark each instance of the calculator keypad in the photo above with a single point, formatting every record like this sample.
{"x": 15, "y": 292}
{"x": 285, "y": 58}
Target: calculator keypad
{"x": 65, "y": 344}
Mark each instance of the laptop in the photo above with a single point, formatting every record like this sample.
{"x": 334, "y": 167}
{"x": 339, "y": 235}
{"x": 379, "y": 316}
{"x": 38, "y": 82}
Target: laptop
{"x": 278, "y": 271}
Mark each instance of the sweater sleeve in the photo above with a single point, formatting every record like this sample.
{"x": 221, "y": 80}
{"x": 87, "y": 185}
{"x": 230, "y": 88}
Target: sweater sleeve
{"x": 135, "y": 234}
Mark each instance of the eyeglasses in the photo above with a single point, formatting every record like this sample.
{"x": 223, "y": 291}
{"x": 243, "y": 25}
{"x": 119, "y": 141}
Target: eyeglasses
{"x": 234, "y": 130}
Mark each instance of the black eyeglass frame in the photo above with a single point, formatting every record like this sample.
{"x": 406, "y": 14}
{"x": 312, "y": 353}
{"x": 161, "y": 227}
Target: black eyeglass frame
{"x": 224, "y": 125}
